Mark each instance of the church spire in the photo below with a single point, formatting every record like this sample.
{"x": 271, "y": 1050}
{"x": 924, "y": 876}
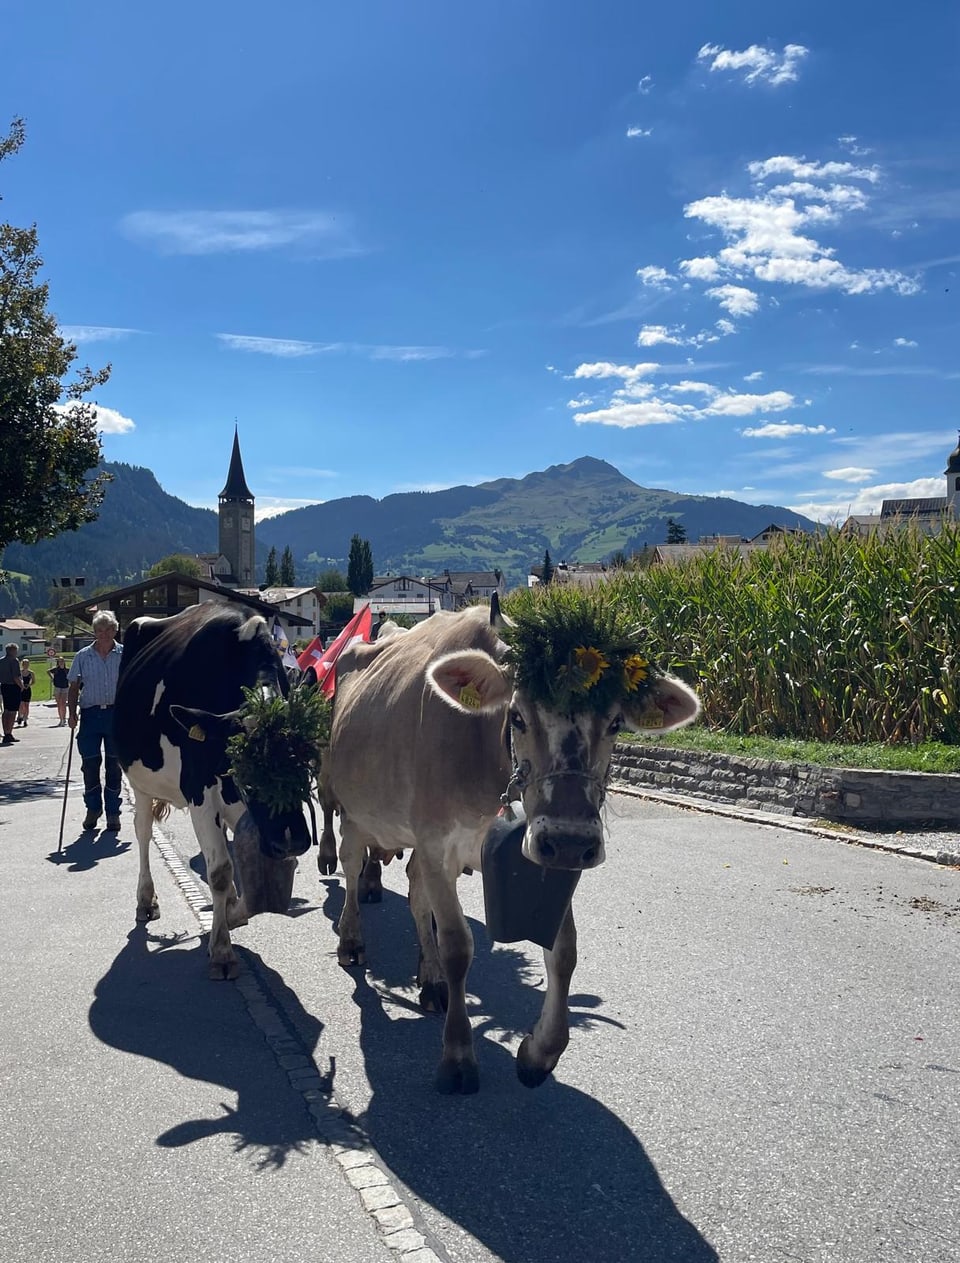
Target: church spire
{"x": 236, "y": 485}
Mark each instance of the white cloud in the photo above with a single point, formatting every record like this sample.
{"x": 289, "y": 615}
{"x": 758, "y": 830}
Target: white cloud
{"x": 756, "y": 63}
{"x": 851, "y": 144}
{"x": 645, "y": 86}
{"x": 626, "y": 415}
{"x": 868, "y": 500}
{"x": 626, "y": 372}
{"x": 318, "y": 233}
{"x": 904, "y": 342}
{"x": 652, "y": 335}
{"x": 94, "y": 333}
{"x": 754, "y": 377}
{"x": 291, "y": 348}
{"x": 656, "y": 278}
{"x": 734, "y": 405}
{"x": 583, "y": 402}
{"x": 852, "y": 473}
{"x": 783, "y": 430}
{"x": 703, "y": 269}
{"x": 634, "y": 132}
{"x": 801, "y": 169}
{"x": 270, "y": 506}
{"x": 735, "y": 299}
{"x": 109, "y": 421}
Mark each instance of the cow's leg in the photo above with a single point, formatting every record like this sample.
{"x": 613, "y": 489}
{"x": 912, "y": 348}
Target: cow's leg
{"x": 353, "y": 852}
{"x": 208, "y": 827}
{"x": 541, "y": 1050}
{"x": 457, "y": 1071}
{"x": 148, "y": 909}
{"x": 370, "y": 886}
{"x": 430, "y": 979}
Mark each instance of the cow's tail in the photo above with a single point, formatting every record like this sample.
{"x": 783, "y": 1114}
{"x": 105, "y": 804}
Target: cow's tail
{"x": 160, "y": 809}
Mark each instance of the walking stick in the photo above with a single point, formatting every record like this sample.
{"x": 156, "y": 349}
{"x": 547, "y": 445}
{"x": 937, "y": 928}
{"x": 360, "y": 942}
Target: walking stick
{"x": 66, "y": 786}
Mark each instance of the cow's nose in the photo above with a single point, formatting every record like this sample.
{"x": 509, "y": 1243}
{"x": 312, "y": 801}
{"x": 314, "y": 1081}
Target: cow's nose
{"x": 552, "y": 847}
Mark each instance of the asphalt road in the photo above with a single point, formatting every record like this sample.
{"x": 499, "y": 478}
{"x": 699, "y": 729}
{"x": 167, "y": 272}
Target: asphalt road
{"x": 764, "y": 1065}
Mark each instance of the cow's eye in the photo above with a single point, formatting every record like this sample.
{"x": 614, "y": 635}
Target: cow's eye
{"x": 517, "y": 721}
{"x": 616, "y": 725}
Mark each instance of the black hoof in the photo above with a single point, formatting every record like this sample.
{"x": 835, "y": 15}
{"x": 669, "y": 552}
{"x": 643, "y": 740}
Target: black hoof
{"x": 434, "y": 997}
{"x": 373, "y": 894}
{"x": 148, "y": 912}
{"x": 326, "y": 865}
{"x": 529, "y": 1074}
{"x": 457, "y": 1076}
{"x": 224, "y": 970}
{"x": 351, "y": 955}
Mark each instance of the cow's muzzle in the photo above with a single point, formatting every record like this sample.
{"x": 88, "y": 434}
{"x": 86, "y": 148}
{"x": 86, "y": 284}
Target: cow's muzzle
{"x": 569, "y": 844}
{"x": 281, "y": 835}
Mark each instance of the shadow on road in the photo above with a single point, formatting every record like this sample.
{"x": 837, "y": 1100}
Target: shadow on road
{"x": 535, "y": 1176}
{"x": 23, "y": 791}
{"x": 88, "y": 849}
{"x": 156, "y": 1001}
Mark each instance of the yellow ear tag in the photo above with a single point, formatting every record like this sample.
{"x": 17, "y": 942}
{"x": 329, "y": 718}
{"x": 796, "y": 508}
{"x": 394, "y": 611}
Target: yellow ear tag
{"x": 469, "y": 697}
{"x": 196, "y": 733}
{"x": 652, "y": 717}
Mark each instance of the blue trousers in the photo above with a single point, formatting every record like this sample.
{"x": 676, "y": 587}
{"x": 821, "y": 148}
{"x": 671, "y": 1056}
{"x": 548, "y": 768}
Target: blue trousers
{"x": 96, "y": 731}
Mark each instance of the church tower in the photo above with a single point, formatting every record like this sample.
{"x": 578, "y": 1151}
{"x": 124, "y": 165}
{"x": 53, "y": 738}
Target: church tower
{"x": 952, "y": 472}
{"x": 236, "y": 521}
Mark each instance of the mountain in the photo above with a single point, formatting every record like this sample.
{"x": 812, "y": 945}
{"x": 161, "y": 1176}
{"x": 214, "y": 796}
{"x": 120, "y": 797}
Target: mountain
{"x": 582, "y": 511}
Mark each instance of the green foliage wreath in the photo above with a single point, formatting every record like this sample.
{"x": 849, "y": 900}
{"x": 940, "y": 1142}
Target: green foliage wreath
{"x": 276, "y": 757}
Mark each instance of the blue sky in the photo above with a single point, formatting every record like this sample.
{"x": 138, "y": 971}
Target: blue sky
{"x": 411, "y": 245}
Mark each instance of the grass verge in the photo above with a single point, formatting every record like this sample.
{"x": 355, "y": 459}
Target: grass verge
{"x": 929, "y": 757}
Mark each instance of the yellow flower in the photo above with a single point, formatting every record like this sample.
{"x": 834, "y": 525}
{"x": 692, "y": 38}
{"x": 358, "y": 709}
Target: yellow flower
{"x": 634, "y": 672}
{"x": 591, "y": 664}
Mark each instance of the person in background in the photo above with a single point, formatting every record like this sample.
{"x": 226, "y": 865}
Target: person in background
{"x": 27, "y": 681}
{"x": 10, "y": 691}
{"x": 97, "y": 667}
{"x": 58, "y": 678}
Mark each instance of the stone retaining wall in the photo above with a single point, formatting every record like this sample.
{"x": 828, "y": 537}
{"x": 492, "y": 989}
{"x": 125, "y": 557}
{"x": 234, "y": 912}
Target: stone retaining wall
{"x": 793, "y": 789}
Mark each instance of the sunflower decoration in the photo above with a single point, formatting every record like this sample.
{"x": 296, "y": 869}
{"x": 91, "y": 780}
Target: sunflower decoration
{"x": 275, "y": 758}
{"x": 575, "y": 649}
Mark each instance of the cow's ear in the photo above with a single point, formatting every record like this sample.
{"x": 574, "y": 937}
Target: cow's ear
{"x": 201, "y": 725}
{"x": 470, "y": 681}
{"x": 668, "y": 703}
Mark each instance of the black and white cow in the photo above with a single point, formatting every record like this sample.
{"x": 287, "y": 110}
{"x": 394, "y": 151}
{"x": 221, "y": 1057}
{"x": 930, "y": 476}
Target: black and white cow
{"x": 181, "y": 686}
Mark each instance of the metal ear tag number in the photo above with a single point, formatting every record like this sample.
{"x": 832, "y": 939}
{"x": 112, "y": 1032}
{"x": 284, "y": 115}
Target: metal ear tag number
{"x": 652, "y": 717}
{"x": 469, "y": 697}
{"x": 196, "y": 733}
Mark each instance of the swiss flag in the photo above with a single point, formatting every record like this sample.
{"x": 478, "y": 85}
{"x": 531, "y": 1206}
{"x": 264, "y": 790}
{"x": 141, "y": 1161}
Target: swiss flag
{"x": 323, "y": 661}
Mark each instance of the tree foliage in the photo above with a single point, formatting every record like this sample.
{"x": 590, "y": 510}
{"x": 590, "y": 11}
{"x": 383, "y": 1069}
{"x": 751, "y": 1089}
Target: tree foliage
{"x": 48, "y": 450}
{"x": 180, "y": 562}
{"x": 676, "y": 532}
{"x": 288, "y": 575}
{"x": 271, "y": 576}
{"x": 331, "y": 581}
{"x": 546, "y": 573}
{"x": 360, "y": 566}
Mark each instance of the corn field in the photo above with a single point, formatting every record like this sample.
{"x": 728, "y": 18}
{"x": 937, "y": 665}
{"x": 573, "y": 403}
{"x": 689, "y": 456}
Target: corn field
{"x": 828, "y": 638}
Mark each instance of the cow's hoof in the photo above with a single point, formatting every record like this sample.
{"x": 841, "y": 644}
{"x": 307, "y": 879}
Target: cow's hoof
{"x": 350, "y": 955}
{"x": 457, "y": 1076}
{"x": 370, "y": 894}
{"x": 224, "y": 970}
{"x": 433, "y": 997}
{"x": 530, "y": 1074}
{"x": 147, "y": 912}
{"x": 327, "y": 865}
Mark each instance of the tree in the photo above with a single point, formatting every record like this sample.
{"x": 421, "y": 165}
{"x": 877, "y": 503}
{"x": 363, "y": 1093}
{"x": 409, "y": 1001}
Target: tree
{"x": 271, "y": 576}
{"x": 546, "y": 571}
{"x": 48, "y": 450}
{"x": 359, "y": 566}
{"x": 619, "y": 560}
{"x": 676, "y": 532}
{"x": 179, "y": 562}
{"x": 287, "y": 573}
{"x": 331, "y": 581}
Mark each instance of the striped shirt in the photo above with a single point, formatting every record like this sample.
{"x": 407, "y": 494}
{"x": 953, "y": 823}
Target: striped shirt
{"x": 99, "y": 675}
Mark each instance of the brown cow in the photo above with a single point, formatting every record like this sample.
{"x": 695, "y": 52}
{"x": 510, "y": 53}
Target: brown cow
{"x": 420, "y": 757}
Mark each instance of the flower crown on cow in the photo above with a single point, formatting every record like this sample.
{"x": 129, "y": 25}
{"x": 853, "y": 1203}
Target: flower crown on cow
{"x": 275, "y": 758}
{"x": 575, "y": 649}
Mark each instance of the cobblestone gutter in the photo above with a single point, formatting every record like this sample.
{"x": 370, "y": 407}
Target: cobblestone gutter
{"x": 844, "y": 795}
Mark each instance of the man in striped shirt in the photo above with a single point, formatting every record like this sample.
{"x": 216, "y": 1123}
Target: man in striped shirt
{"x": 92, "y": 682}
